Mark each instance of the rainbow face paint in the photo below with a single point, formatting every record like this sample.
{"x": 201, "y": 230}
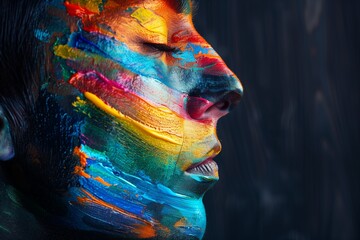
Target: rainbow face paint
{"x": 137, "y": 93}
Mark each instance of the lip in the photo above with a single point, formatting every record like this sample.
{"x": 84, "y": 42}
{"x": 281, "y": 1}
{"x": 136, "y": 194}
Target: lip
{"x": 207, "y": 169}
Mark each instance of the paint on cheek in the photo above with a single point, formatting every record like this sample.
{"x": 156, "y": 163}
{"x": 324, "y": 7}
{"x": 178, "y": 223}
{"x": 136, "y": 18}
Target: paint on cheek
{"x": 136, "y": 144}
{"x": 79, "y": 60}
{"x": 163, "y": 136}
{"x": 147, "y": 88}
{"x": 186, "y": 58}
{"x": 150, "y": 89}
{"x": 130, "y": 104}
{"x": 160, "y": 126}
{"x": 151, "y": 21}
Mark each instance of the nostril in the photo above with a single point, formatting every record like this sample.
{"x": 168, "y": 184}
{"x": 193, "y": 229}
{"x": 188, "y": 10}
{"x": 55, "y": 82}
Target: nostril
{"x": 197, "y": 106}
{"x": 201, "y": 109}
{"x": 223, "y": 105}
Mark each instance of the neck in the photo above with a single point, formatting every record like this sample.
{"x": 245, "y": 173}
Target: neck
{"x": 22, "y": 218}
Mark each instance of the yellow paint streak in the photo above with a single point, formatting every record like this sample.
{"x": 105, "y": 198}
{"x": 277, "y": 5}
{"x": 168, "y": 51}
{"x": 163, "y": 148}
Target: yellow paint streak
{"x": 91, "y": 5}
{"x": 195, "y": 144}
{"x": 85, "y": 60}
{"x": 151, "y": 21}
{"x": 146, "y": 230}
{"x": 143, "y": 128}
{"x": 67, "y": 52}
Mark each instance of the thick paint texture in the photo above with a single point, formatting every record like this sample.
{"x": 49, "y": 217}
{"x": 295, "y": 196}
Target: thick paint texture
{"x": 144, "y": 91}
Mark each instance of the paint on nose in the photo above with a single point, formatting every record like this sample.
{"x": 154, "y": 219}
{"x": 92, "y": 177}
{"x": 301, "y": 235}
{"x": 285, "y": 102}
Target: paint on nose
{"x": 213, "y": 65}
{"x": 200, "y": 108}
{"x": 218, "y": 91}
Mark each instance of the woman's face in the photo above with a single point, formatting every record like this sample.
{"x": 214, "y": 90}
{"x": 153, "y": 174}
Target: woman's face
{"x": 126, "y": 118}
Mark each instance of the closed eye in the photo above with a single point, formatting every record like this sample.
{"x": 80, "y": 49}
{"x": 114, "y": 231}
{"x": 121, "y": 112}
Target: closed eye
{"x": 160, "y": 47}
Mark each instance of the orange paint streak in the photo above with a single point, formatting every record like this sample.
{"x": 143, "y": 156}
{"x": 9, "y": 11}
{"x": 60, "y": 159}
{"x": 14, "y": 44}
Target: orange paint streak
{"x": 80, "y": 171}
{"x": 180, "y": 223}
{"x": 146, "y": 230}
{"x": 81, "y": 155}
{"x": 99, "y": 179}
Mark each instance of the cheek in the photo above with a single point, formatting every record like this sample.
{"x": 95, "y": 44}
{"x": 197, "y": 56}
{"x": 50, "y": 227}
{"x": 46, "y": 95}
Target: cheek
{"x": 136, "y": 135}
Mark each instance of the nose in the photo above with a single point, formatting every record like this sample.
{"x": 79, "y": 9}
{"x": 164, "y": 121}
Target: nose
{"x": 218, "y": 91}
{"x": 200, "y": 108}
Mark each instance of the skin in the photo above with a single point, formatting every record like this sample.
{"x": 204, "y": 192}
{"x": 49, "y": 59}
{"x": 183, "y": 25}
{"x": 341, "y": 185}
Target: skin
{"x": 129, "y": 104}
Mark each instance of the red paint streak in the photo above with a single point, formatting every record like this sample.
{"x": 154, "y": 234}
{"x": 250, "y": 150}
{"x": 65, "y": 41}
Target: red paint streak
{"x": 213, "y": 65}
{"x": 188, "y": 37}
{"x": 144, "y": 230}
{"x": 78, "y": 11}
{"x": 85, "y": 15}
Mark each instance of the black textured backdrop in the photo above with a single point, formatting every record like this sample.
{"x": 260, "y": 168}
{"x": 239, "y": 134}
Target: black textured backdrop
{"x": 290, "y": 166}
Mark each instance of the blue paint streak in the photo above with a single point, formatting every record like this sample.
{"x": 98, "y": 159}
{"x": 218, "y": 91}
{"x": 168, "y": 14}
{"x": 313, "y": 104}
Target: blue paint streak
{"x": 137, "y": 195}
{"x": 185, "y": 57}
{"x": 118, "y": 52}
{"x": 42, "y": 35}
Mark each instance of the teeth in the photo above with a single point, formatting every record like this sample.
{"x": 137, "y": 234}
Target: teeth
{"x": 208, "y": 168}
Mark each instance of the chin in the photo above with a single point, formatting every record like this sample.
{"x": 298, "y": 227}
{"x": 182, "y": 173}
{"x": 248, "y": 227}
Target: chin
{"x": 111, "y": 202}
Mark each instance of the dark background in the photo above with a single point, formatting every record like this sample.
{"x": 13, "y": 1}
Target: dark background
{"x": 290, "y": 165}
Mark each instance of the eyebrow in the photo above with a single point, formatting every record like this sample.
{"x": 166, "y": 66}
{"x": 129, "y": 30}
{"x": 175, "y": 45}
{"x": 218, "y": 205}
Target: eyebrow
{"x": 184, "y": 6}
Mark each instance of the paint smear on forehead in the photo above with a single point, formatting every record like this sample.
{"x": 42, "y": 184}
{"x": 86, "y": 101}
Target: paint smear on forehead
{"x": 151, "y": 21}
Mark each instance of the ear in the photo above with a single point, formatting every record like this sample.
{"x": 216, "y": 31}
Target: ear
{"x": 6, "y": 143}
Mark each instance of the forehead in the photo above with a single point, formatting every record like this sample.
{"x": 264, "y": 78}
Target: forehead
{"x": 179, "y": 6}
{"x": 96, "y": 6}
{"x": 128, "y": 20}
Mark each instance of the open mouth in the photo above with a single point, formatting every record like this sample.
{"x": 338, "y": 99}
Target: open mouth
{"x": 207, "y": 168}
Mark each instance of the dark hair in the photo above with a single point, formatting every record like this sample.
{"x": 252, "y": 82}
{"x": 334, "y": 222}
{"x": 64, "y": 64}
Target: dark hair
{"x": 20, "y": 61}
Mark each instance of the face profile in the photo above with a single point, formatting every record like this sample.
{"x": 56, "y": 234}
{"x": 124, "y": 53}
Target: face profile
{"x": 122, "y": 133}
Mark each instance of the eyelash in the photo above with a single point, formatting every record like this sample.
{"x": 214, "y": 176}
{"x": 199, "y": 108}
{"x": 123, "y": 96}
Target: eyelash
{"x": 159, "y": 47}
